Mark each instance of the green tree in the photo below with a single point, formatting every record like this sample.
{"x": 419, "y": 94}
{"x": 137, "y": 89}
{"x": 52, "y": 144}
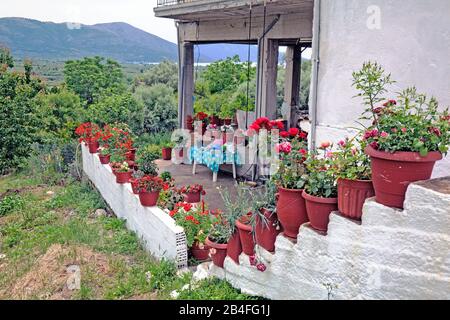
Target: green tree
{"x": 165, "y": 72}
{"x": 159, "y": 108}
{"x": 92, "y": 78}
{"x": 18, "y": 121}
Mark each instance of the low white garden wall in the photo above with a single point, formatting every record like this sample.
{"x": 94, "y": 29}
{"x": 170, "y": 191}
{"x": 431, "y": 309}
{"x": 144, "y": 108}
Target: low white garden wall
{"x": 392, "y": 254}
{"x": 157, "y": 230}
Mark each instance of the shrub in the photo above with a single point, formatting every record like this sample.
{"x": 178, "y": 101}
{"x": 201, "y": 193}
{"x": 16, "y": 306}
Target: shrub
{"x": 10, "y": 203}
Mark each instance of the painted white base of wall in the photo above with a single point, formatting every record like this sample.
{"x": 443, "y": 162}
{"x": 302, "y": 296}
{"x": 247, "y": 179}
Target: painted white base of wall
{"x": 334, "y": 134}
{"x": 392, "y": 254}
{"x": 157, "y": 230}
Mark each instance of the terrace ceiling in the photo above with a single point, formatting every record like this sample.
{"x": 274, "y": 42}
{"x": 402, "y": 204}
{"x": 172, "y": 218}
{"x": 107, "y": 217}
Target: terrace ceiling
{"x": 204, "y": 10}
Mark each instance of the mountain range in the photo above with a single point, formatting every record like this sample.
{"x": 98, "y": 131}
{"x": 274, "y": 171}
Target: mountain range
{"x": 28, "y": 38}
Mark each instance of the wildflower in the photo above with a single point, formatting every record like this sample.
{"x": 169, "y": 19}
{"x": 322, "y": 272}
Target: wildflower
{"x": 404, "y": 130}
{"x": 303, "y": 135}
{"x": 435, "y": 130}
{"x": 374, "y": 145}
{"x": 394, "y": 130}
{"x": 325, "y": 144}
{"x": 341, "y": 143}
{"x": 293, "y": 132}
{"x": 284, "y": 134}
{"x": 329, "y": 154}
{"x": 384, "y": 134}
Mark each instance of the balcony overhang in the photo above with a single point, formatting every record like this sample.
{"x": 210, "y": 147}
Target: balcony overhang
{"x": 203, "y": 10}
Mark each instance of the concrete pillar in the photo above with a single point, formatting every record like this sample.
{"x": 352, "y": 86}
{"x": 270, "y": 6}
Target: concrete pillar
{"x": 267, "y": 74}
{"x": 292, "y": 81}
{"x": 186, "y": 83}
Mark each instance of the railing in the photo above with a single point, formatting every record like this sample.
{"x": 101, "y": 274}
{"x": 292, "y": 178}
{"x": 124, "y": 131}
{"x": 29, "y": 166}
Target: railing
{"x": 162, "y": 3}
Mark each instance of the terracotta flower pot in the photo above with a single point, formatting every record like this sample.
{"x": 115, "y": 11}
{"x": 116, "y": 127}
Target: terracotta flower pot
{"x": 93, "y": 146}
{"x": 190, "y": 124}
{"x": 227, "y": 121}
{"x": 351, "y": 196}
{"x": 149, "y": 199}
{"x": 135, "y": 185}
{"x": 266, "y": 231}
{"x": 245, "y": 234}
{"x": 214, "y": 120}
{"x": 192, "y": 197}
{"x": 166, "y": 153}
{"x": 291, "y": 211}
{"x": 123, "y": 177}
{"x": 393, "y": 172}
{"x": 217, "y": 252}
{"x": 319, "y": 210}
{"x": 104, "y": 159}
{"x": 234, "y": 248}
{"x": 200, "y": 252}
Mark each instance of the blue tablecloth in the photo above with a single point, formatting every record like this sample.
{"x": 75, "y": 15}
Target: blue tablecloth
{"x": 214, "y": 156}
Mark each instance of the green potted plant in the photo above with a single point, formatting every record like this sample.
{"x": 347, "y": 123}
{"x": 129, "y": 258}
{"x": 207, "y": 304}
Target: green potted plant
{"x": 146, "y": 157}
{"x": 290, "y": 179}
{"x": 196, "y": 223}
{"x": 234, "y": 208}
{"x": 167, "y": 150}
{"x": 406, "y": 136}
{"x": 354, "y": 177}
{"x": 149, "y": 189}
{"x": 104, "y": 154}
{"x": 321, "y": 187}
{"x": 217, "y": 240}
{"x": 265, "y": 224}
{"x": 193, "y": 192}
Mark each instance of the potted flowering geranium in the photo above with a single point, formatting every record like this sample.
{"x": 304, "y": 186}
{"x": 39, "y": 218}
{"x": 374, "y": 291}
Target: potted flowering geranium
{"x": 149, "y": 189}
{"x": 321, "y": 187}
{"x": 203, "y": 118}
{"x": 196, "y": 222}
{"x": 354, "y": 177}
{"x": 193, "y": 192}
{"x": 406, "y": 136}
{"x": 135, "y": 178}
{"x": 122, "y": 171}
{"x": 290, "y": 178}
{"x": 89, "y": 133}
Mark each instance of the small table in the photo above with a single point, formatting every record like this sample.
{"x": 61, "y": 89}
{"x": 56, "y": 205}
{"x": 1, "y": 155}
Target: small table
{"x": 213, "y": 157}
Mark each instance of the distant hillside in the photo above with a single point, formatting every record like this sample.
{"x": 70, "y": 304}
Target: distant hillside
{"x": 56, "y": 41}
{"x": 50, "y": 41}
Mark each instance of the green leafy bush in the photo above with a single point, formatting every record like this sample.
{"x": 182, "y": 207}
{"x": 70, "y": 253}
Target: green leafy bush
{"x": 10, "y": 203}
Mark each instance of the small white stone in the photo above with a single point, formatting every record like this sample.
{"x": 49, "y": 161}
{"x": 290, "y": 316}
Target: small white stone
{"x": 50, "y": 192}
{"x": 101, "y": 213}
{"x": 174, "y": 294}
{"x": 2, "y": 256}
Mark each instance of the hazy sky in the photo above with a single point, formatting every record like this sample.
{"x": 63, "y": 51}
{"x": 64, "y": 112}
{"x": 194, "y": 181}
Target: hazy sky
{"x": 138, "y": 13}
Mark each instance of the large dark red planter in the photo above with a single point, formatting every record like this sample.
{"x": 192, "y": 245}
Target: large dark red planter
{"x": 351, "y": 196}
{"x": 266, "y": 231}
{"x": 291, "y": 211}
{"x": 217, "y": 251}
{"x": 227, "y": 121}
{"x": 234, "y": 248}
{"x": 104, "y": 159}
{"x": 200, "y": 252}
{"x": 245, "y": 234}
{"x": 149, "y": 199}
{"x": 192, "y": 197}
{"x": 93, "y": 146}
{"x": 393, "y": 172}
{"x": 166, "y": 153}
{"x": 123, "y": 177}
{"x": 319, "y": 210}
{"x": 214, "y": 120}
{"x": 135, "y": 185}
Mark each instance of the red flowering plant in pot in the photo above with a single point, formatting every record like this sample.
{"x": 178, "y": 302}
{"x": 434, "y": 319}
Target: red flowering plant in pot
{"x": 166, "y": 150}
{"x": 89, "y": 133}
{"x": 202, "y": 119}
{"x": 291, "y": 178}
{"x": 321, "y": 187}
{"x": 149, "y": 189}
{"x": 406, "y": 136}
{"x": 233, "y": 210}
{"x": 196, "y": 222}
{"x": 134, "y": 180}
{"x": 193, "y": 192}
{"x": 354, "y": 177}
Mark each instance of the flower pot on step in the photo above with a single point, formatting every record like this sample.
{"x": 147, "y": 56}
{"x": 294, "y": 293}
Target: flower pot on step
{"x": 291, "y": 211}
{"x": 135, "y": 185}
{"x": 104, "y": 159}
{"x": 234, "y": 248}
{"x": 319, "y": 210}
{"x": 93, "y": 146}
{"x": 245, "y": 234}
{"x": 192, "y": 197}
{"x": 123, "y": 177}
{"x": 393, "y": 172}
{"x": 149, "y": 199}
{"x": 266, "y": 231}
{"x": 351, "y": 196}
{"x": 166, "y": 153}
{"x": 200, "y": 251}
{"x": 217, "y": 252}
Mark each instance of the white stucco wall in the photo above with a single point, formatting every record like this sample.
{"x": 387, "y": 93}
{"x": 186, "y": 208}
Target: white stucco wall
{"x": 413, "y": 44}
{"x": 393, "y": 254}
{"x": 157, "y": 230}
